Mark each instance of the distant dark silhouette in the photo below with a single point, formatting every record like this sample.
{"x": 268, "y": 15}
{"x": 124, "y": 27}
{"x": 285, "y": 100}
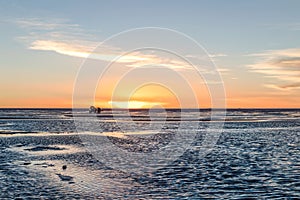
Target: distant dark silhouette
{"x": 92, "y": 109}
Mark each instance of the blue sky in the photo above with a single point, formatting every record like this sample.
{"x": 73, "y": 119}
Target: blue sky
{"x": 250, "y": 41}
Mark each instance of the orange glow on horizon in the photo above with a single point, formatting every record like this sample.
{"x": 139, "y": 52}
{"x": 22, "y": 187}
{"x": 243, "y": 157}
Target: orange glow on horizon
{"x": 254, "y": 102}
{"x": 144, "y": 97}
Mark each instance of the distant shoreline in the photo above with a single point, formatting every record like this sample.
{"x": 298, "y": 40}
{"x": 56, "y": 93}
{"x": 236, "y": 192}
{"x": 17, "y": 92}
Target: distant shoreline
{"x": 167, "y": 109}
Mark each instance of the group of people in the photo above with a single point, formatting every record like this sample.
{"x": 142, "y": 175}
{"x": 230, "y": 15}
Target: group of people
{"x": 93, "y": 109}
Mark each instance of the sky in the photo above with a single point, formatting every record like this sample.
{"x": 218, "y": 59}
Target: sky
{"x": 251, "y": 49}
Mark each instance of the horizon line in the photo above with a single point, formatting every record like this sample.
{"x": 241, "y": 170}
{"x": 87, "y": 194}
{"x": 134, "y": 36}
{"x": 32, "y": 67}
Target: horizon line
{"x": 206, "y": 108}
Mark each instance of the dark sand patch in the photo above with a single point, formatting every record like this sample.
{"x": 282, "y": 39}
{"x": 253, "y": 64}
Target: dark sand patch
{"x": 45, "y": 148}
{"x": 65, "y": 177}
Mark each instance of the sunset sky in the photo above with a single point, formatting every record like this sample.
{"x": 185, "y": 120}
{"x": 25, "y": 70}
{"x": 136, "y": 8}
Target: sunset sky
{"x": 255, "y": 46}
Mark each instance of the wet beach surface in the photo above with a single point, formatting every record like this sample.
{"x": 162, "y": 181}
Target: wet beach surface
{"x": 252, "y": 159}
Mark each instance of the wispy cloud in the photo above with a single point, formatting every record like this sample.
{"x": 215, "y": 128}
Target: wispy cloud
{"x": 284, "y": 87}
{"x": 136, "y": 59}
{"x": 77, "y": 50}
{"x": 283, "y": 66}
{"x": 66, "y": 38}
{"x": 52, "y": 29}
{"x": 44, "y": 24}
{"x": 211, "y": 55}
{"x": 217, "y": 55}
